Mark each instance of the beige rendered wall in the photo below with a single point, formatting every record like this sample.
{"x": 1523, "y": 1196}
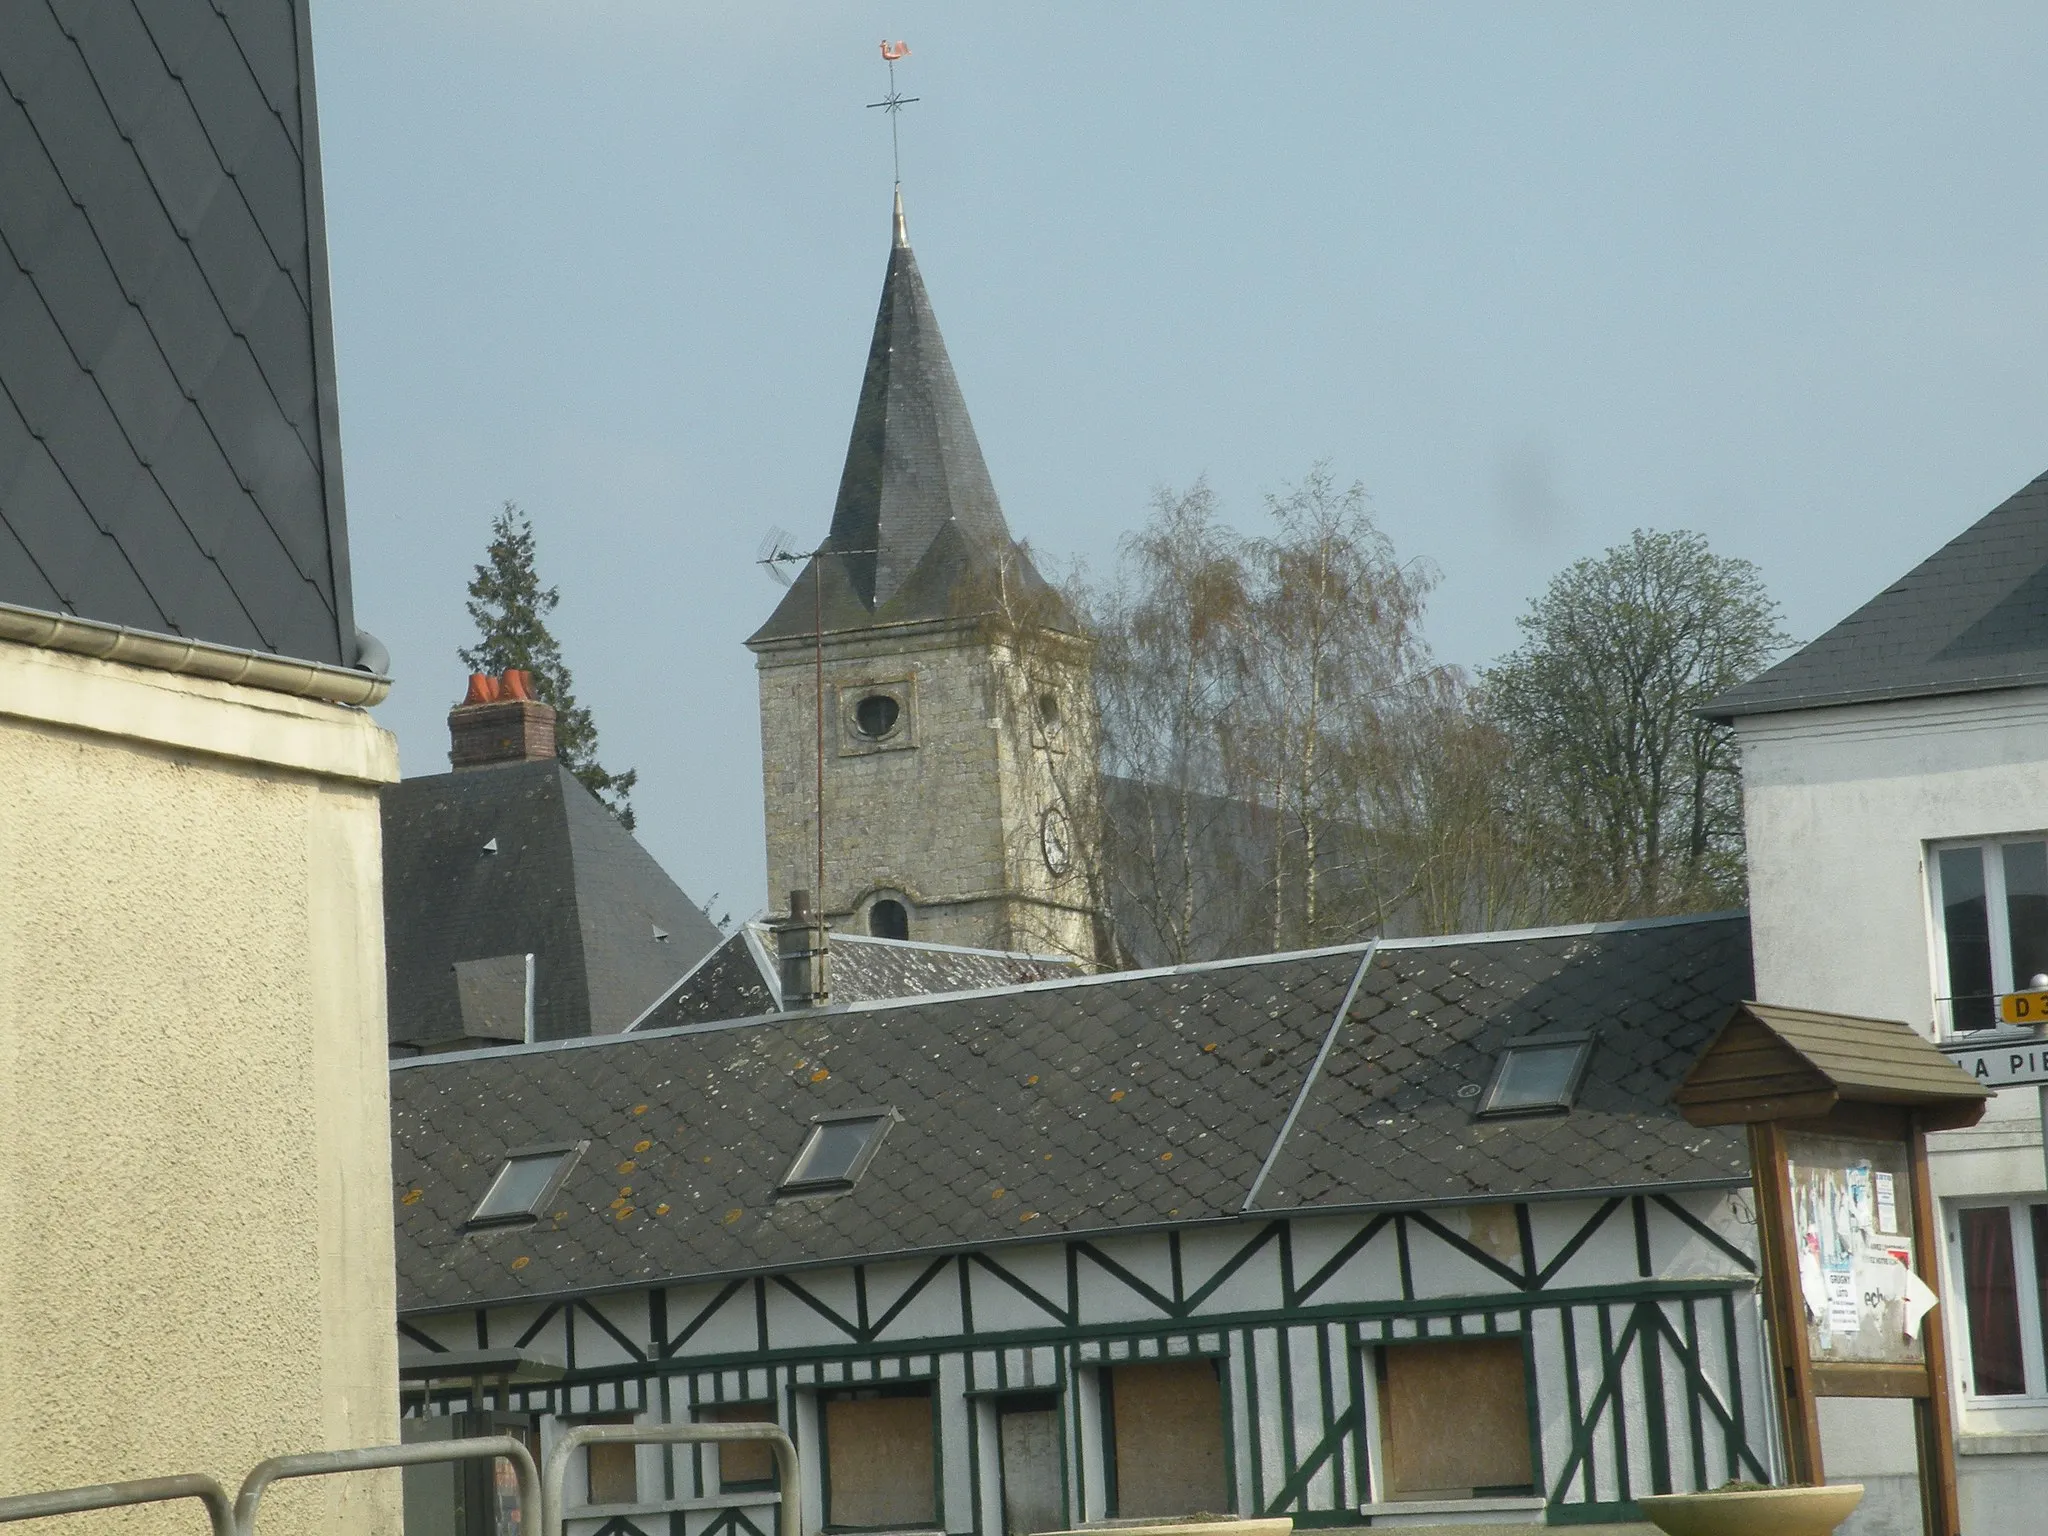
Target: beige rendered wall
{"x": 195, "y": 1221}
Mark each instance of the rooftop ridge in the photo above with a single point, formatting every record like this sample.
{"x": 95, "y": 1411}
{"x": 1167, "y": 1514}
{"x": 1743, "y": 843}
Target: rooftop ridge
{"x": 1566, "y": 930}
{"x": 1103, "y": 978}
{"x": 951, "y": 949}
{"x": 678, "y": 984}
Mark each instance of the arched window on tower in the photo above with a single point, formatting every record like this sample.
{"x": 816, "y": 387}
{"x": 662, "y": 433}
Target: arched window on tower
{"x": 887, "y": 919}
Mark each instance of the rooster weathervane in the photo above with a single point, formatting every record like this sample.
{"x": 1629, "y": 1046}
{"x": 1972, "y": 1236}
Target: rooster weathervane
{"x": 894, "y": 102}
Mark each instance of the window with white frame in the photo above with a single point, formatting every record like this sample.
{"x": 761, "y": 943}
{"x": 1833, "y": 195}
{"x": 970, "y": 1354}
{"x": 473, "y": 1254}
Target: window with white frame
{"x": 1990, "y": 904}
{"x": 2002, "y": 1253}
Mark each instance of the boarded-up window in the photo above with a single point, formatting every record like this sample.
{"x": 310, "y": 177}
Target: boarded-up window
{"x": 1454, "y": 1419}
{"x": 748, "y": 1464}
{"x": 612, "y": 1471}
{"x": 878, "y": 1459}
{"x": 1168, "y": 1427}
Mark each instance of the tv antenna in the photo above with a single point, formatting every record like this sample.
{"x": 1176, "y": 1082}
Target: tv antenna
{"x": 894, "y": 102}
{"x": 773, "y": 553}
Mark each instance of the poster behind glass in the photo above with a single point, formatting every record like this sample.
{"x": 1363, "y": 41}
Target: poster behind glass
{"x": 1852, "y": 1219}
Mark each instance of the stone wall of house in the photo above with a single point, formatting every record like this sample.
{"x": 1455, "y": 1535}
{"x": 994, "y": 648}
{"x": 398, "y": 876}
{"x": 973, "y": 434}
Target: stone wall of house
{"x": 195, "y": 1219}
{"x": 944, "y": 810}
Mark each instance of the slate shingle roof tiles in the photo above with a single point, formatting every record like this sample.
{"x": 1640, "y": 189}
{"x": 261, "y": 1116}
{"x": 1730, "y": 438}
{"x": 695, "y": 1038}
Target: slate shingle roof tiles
{"x": 1971, "y": 616}
{"x": 167, "y": 407}
{"x": 736, "y": 980}
{"x": 1068, "y": 1108}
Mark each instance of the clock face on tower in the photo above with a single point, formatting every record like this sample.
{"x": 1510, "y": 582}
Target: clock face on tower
{"x": 1055, "y": 841}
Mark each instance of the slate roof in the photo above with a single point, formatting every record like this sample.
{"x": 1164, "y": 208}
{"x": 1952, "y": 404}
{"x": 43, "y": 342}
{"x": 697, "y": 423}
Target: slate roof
{"x": 739, "y": 979}
{"x": 917, "y": 524}
{"x": 1385, "y": 1122}
{"x": 1972, "y": 616}
{"x": 169, "y": 445}
{"x": 566, "y": 884}
{"x": 1113, "y": 1102}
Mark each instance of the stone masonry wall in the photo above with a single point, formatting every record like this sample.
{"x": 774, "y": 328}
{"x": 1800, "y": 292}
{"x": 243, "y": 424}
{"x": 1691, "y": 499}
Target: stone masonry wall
{"x": 942, "y": 812}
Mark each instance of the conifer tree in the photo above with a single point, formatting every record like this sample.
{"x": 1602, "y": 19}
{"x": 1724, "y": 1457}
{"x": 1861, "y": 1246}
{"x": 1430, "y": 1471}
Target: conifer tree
{"x": 510, "y": 608}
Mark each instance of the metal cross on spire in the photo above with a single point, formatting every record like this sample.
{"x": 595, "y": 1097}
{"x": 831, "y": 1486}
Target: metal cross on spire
{"x": 894, "y": 102}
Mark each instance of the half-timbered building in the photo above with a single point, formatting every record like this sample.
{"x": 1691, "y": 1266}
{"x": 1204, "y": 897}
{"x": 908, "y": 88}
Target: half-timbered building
{"x": 1391, "y": 1232}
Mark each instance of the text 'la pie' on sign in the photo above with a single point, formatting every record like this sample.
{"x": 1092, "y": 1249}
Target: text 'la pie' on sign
{"x": 2023, "y": 1008}
{"x": 2010, "y": 1065}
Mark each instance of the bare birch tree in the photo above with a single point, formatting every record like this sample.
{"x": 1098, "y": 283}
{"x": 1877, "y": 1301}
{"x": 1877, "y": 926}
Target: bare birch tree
{"x": 1335, "y": 668}
{"x": 1254, "y": 699}
{"x": 1169, "y": 631}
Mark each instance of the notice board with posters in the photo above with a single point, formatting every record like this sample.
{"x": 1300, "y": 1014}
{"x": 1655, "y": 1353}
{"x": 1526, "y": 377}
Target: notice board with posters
{"x": 1852, "y": 1219}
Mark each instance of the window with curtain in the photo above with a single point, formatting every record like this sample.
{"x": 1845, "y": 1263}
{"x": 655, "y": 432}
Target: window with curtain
{"x": 1990, "y": 902}
{"x": 2004, "y": 1258}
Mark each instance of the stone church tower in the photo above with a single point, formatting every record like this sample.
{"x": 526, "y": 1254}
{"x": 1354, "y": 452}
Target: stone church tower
{"x": 957, "y": 722}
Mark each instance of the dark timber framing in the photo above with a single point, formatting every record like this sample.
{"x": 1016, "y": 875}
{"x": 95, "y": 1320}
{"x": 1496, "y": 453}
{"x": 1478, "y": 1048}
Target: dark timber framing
{"x": 1639, "y": 1382}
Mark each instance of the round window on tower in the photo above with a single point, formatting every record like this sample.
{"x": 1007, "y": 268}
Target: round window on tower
{"x": 876, "y": 715}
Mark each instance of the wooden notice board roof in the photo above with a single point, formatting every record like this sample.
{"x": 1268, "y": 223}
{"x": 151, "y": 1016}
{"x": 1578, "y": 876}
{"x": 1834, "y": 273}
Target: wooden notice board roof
{"x": 1772, "y": 1063}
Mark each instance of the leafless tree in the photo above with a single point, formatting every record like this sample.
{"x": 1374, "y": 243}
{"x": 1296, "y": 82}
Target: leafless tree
{"x": 1169, "y": 631}
{"x": 1254, "y": 696}
{"x": 1280, "y": 760}
{"x": 1336, "y": 673}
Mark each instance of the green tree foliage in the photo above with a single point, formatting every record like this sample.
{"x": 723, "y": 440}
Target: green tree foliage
{"x": 511, "y": 608}
{"x": 1625, "y": 802}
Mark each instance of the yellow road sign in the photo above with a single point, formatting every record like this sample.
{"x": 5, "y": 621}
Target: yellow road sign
{"x": 2024, "y": 1008}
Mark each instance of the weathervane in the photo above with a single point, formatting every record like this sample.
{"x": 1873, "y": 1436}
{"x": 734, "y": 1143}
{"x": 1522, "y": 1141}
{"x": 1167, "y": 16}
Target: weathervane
{"x": 894, "y": 102}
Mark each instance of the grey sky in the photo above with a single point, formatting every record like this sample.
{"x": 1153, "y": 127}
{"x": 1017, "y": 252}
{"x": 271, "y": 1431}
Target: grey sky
{"x": 1537, "y": 274}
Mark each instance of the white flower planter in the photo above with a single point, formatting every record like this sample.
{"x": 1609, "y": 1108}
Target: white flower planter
{"x": 1765, "y": 1512}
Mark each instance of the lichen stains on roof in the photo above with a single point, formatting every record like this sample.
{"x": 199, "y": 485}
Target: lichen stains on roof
{"x": 1011, "y": 1091}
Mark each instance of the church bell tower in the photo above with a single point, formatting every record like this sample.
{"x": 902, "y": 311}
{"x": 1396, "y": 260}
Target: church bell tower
{"x": 954, "y": 791}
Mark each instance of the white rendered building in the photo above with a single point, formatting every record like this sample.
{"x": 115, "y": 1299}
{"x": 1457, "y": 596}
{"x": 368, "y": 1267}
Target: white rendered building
{"x": 1895, "y": 780}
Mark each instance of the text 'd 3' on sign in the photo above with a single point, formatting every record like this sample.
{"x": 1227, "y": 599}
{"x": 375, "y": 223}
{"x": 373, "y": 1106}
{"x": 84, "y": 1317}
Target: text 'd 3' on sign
{"x": 2024, "y": 1008}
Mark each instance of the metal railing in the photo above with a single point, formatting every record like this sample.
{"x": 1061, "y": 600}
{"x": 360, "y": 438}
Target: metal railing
{"x": 789, "y": 1514}
{"x": 145, "y": 1490}
{"x": 378, "y": 1457}
{"x": 542, "y": 1494}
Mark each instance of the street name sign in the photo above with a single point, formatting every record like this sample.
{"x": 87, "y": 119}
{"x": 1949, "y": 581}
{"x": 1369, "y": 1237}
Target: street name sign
{"x": 2003, "y": 1064}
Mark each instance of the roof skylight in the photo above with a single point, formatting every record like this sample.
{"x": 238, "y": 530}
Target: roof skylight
{"x": 837, "y": 1151}
{"x": 1536, "y": 1075}
{"x": 524, "y": 1184}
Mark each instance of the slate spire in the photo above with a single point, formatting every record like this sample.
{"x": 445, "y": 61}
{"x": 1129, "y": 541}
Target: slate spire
{"x": 915, "y": 498}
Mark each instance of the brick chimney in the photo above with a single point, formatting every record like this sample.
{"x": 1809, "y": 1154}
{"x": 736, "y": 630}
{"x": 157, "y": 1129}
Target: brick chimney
{"x": 500, "y": 721}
